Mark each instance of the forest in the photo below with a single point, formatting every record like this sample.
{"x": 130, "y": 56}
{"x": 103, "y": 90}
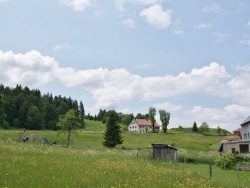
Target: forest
{"x": 21, "y": 107}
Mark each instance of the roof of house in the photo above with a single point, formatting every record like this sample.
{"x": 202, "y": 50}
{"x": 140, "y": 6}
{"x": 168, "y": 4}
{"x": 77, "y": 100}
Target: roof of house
{"x": 237, "y": 130}
{"x": 145, "y": 122}
{"x": 246, "y": 121}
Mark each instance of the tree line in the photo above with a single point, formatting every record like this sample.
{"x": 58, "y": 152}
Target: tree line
{"x": 21, "y": 107}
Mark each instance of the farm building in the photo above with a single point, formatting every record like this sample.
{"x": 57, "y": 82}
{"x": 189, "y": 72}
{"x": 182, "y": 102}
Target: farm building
{"x": 163, "y": 151}
{"x": 142, "y": 126}
{"x": 241, "y": 145}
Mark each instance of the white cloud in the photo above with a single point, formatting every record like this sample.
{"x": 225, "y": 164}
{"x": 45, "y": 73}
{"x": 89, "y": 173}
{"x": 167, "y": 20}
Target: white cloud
{"x": 109, "y": 88}
{"x": 248, "y": 24}
{"x": 78, "y": 5}
{"x": 120, "y": 4}
{"x": 213, "y": 7}
{"x": 204, "y": 26}
{"x": 178, "y": 32}
{"x": 228, "y": 117}
{"x": 169, "y": 106}
{"x": 246, "y": 41}
{"x": 220, "y": 37}
{"x": 130, "y": 23}
{"x": 30, "y": 68}
{"x": 156, "y": 16}
{"x": 60, "y": 47}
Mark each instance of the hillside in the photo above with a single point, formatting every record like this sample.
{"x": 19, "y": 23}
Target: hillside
{"x": 92, "y": 136}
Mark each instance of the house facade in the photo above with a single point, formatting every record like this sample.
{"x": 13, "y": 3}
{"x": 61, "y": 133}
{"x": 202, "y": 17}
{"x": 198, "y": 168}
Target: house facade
{"x": 243, "y": 145}
{"x": 245, "y": 129}
{"x": 142, "y": 126}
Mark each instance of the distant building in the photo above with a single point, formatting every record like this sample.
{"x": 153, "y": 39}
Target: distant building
{"x": 142, "y": 126}
{"x": 241, "y": 145}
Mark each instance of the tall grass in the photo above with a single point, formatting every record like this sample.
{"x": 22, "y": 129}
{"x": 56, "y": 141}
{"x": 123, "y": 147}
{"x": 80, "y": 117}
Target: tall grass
{"x": 23, "y": 165}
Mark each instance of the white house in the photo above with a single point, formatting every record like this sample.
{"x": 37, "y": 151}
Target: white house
{"x": 245, "y": 129}
{"x": 142, "y": 126}
{"x": 243, "y": 145}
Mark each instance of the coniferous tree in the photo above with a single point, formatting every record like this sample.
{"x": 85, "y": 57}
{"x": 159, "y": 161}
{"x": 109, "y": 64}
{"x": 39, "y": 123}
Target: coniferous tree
{"x": 81, "y": 111}
{"x": 195, "y": 128}
{"x": 112, "y": 135}
{"x": 3, "y": 115}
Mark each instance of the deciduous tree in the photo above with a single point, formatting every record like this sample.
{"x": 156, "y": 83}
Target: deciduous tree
{"x": 68, "y": 122}
{"x": 164, "y": 117}
{"x": 152, "y": 113}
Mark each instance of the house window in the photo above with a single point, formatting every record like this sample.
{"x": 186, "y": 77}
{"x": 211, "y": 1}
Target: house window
{"x": 233, "y": 150}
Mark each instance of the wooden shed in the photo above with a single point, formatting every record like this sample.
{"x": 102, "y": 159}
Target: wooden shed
{"x": 164, "y": 151}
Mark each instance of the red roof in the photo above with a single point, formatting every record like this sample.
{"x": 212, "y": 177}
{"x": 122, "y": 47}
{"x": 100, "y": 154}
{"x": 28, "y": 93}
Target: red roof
{"x": 145, "y": 122}
{"x": 237, "y": 130}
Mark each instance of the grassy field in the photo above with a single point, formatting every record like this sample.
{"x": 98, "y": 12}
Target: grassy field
{"x": 88, "y": 164}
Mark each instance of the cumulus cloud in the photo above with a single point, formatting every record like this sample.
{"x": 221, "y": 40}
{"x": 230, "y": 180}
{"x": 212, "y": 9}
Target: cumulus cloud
{"x": 31, "y": 68}
{"x": 156, "y": 16}
{"x": 228, "y": 117}
{"x": 109, "y": 87}
{"x": 78, "y": 5}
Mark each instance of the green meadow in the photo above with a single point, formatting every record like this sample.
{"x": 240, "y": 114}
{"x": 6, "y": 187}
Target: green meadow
{"x": 87, "y": 163}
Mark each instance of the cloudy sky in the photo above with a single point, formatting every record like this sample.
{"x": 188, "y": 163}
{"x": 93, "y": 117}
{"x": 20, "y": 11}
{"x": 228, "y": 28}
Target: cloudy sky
{"x": 191, "y": 58}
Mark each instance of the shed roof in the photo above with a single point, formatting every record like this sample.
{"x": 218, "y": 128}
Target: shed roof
{"x": 246, "y": 121}
{"x": 163, "y": 146}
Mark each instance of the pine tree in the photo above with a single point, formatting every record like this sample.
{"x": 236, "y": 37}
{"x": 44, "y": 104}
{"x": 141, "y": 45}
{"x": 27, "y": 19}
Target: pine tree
{"x": 195, "y": 128}
{"x": 3, "y": 115}
{"x": 112, "y": 135}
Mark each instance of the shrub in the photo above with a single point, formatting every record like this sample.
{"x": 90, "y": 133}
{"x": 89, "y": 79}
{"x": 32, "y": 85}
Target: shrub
{"x": 226, "y": 161}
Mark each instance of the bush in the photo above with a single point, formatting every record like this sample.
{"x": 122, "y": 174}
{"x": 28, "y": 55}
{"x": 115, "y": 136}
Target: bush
{"x": 226, "y": 161}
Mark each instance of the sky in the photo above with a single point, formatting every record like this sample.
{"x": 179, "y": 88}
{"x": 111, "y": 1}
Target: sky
{"x": 190, "y": 58}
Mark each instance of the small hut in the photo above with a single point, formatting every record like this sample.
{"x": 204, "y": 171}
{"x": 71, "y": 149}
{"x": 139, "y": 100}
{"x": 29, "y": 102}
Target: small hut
{"x": 164, "y": 151}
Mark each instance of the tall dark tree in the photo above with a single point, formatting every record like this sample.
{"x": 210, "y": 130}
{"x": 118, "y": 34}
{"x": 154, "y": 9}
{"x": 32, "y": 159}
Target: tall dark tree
{"x": 81, "y": 111}
{"x": 3, "y": 115}
{"x": 165, "y": 117}
{"x": 152, "y": 113}
{"x": 112, "y": 135}
{"x": 195, "y": 128}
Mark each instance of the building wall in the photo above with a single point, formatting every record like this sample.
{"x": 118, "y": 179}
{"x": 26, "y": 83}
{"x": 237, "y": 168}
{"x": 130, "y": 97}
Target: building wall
{"x": 236, "y": 146}
{"x": 245, "y": 131}
{"x": 133, "y": 127}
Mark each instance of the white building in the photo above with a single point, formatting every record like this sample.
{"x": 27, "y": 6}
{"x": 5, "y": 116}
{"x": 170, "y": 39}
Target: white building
{"x": 142, "y": 126}
{"x": 245, "y": 129}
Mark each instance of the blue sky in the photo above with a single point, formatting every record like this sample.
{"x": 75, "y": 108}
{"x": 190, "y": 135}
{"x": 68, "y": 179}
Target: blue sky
{"x": 191, "y": 58}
